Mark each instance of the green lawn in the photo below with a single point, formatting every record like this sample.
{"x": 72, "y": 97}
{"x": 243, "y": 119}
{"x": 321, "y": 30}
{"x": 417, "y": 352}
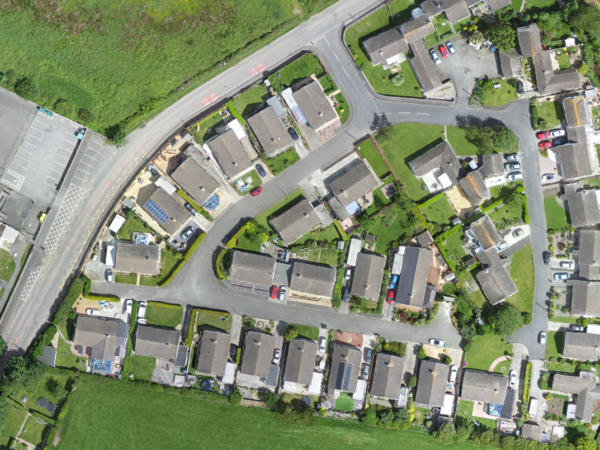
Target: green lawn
{"x": 33, "y": 431}
{"x": 503, "y": 365}
{"x": 206, "y": 128}
{"x": 7, "y": 265}
{"x": 133, "y": 225}
{"x": 490, "y": 96}
{"x": 328, "y": 234}
{"x": 460, "y": 144}
{"x": 402, "y": 143}
{"x": 342, "y": 108}
{"x": 247, "y": 102}
{"x": 169, "y": 261}
{"x": 533, "y": 6}
{"x": 296, "y": 71}
{"x": 506, "y": 213}
{"x": 554, "y": 343}
{"x": 556, "y": 216}
{"x": 476, "y": 296}
{"x": 142, "y": 367}
{"x": 40, "y": 390}
{"x": 439, "y": 211}
{"x": 65, "y": 358}
{"x": 327, "y": 84}
{"x": 368, "y": 151}
{"x": 442, "y": 24}
{"x": 282, "y": 161}
{"x": 164, "y": 315}
{"x": 323, "y": 256}
{"x": 522, "y": 272}
{"x": 208, "y": 318}
{"x": 126, "y": 278}
{"x": 14, "y": 420}
{"x": 344, "y": 403}
{"x": 551, "y": 112}
{"x": 304, "y": 331}
{"x": 467, "y": 407}
{"x": 256, "y": 181}
{"x": 279, "y": 207}
{"x": 484, "y": 350}
{"x": 392, "y": 225}
{"x": 592, "y": 183}
{"x": 504, "y": 191}
{"x": 559, "y": 367}
{"x": 454, "y": 248}
{"x": 563, "y": 60}
{"x": 371, "y": 26}
{"x": 516, "y": 4}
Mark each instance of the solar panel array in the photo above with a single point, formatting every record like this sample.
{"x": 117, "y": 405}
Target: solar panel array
{"x": 340, "y": 376}
{"x": 347, "y": 377}
{"x": 156, "y": 211}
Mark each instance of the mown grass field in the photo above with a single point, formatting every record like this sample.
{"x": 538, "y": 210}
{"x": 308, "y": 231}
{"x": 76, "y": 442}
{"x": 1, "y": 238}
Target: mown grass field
{"x": 164, "y": 315}
{"x": 484, "y": 350}
{"x": 368, "y": 151}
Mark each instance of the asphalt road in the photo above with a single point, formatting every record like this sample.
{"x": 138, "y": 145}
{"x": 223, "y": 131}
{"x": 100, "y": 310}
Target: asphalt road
{"x": 196, "y": 283}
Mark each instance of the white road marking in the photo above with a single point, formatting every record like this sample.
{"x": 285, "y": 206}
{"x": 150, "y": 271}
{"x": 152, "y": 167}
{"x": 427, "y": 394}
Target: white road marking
{"x": 23, "y": 150}
{"x": 51, "y": 185}
{"x": 54, "y": 170}
{"x": 84, "y": 171}
{"x": 423, "y": 114}
{"x": 89, "y": 157}
{"x": 336, "y": 57}
{"x": 87, "y": 164}
{"x": 326, "y": 40}
{"x": 31, "y": 135}
{"x": 25, "y": 142}
{"x": 19, "y": 156}
{"x": 66, "y": 149}
{"x": 62, "y": 156}
{"x": 346, "y": 73}
{"x": 404, "y": 112}
{"x": 75, "y": 176}
{"x": 36, "y": 129}
{"x": 19, "y": 165}
{"x": 72, "y": 143}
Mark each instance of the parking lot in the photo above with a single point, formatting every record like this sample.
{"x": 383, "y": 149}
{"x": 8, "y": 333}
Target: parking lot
{"x": 39, "y": 164}
{"x": 15, "y": 116}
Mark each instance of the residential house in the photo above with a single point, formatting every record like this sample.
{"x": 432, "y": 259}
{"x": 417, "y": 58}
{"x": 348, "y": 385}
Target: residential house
{"x": 386, "y": 49}
{"x": 256, "y": 268}
{"x": 300, "y": 362}
{"x": 573, "y": 159}
{"x": 583, "y": 206}
{"x": 549, "y": 82}
{"x": 475, "y": 188}
{"x": 169, "y": 214}
{"x": 431, "y": 386}
{"x": 368, "y": 276}
{"x": 258, "y": 353}
{"x": 484, "y": 387}
{"x": 424, "y": 67}
{"x": 493, "y": 165}
{"x": 416, "y": 29}
{"x": 157, "y": 342}
{"x": 412, "y": 264}
{"x": 589, "y": 254}
{"x": 387, "y": 376}
{"x": 531, "y": 431}
{"x": 314, "y": 106}
{"x": 576, "y": 111}
{"x": 510, "y": 63}
{"x": 485, "y": 232}
{"x": 456, "y": 10}
{"x": 104, "y": 339}
{"x": 439, "y": 167}
{"x": 586, "y": 389}
{"x": 581, "y": 345}
{"x": 270, "y": 132}
{"x": 345, "y": 365}
{"x": 213, "y": 351}
{"x": 425, "y": 239}
{"x": 495, "y": 281}
{"x": 194, "y": 180}
{"x": 133, "y": 258}
{"x": 312, "y": 279}
{"x": 230, "y": 154}
{"x": 295, "y": 222}
{"x": 496, "y": 5}
{"x": 585, "y": 297}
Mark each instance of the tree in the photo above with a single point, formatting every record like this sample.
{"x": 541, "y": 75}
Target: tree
{"x": 445, "y": 433}
{"x": 506, "y": 319}
{"x": 270, "y": 399}
{"x": 505, "y": 139}
{"x": 84, "y": 115}
{"x": 3, "y": 346}
{"x": 421, "y": 354}
{"x": 248, "y": 322}
{"x": 63, "y": 107}
{"x": 25, "y": 88}
{"x": 477, "y": 38}
{"x": 503, "y": 36}
{"x": 412, "y": 382}
{"x": 515, "y": 200}
{"x": 24, "y": 371}
{"x": 585, "y": 443}
{"x": 291, "y": 332}
{"x": 235, "y": 397}
{"x": 584, "y": 69}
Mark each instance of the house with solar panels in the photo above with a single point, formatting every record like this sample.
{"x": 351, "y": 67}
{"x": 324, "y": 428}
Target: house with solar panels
{"x": 345, "y": 364}
{"x": 166, "y": 212}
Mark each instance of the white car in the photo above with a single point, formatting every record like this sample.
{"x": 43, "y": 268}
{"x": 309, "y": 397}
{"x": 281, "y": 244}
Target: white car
{"x": 548, "y": 177}
{"x": 561, "y": 276}
{"x": 512, "y": 157}
{"x": 348, "y": 273}
{"x": 109, "y": 275}
{"x": 514, "y": 176}
{"x": 322, "y": 344}
{"x": 567, "y": 265}
{"x": 542, "y": 337}
{"x": 276, "y": 356}
{"x": 502, "y": 246}
{"x": 437, "y": 342}
{"x": 453, "y": 373}
{"x": 282, "y": 292}
{"x": 92, "y": 312}
{"x": 435, "y": 56}
{"x": 512, "y": 379}
{"x": 128, "y": 306}
{"x": 557, "y": 133}
{"x": 142, "y": 310}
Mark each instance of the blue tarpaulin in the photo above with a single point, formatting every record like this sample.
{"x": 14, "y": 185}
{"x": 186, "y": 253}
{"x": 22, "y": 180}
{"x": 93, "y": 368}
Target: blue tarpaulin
{"x": 102, "y": 366}
{"x": 212, "y": 203}
{"x": 494, "y": 410}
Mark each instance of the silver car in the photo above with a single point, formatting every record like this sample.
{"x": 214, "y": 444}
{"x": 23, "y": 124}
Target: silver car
{"x": 512, "y": 157}
{"x": 514, "y": 176}
{"x": 512, "y": 379}
{"x": 435, "y": 56}
{"x": 561, "y": 276}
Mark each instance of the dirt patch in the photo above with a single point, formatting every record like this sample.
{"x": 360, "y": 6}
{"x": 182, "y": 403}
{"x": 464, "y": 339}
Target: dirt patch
{"x": 556, "y": 406}
{"x": 459, "y": 202}
{"x": 353, "y": 339}
{"x": 57, "y": 436}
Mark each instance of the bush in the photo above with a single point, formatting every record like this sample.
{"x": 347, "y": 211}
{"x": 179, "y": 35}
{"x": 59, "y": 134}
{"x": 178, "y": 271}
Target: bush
{"x": 291, "y": 332}
{"x": 412, "y": 382}
{"x": 235, "y": 397}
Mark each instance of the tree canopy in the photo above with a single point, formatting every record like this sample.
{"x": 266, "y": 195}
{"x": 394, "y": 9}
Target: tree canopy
{"x": 291, "y": 332}
{"x": 503, "y": 36}
{"x": 506, "y": 319}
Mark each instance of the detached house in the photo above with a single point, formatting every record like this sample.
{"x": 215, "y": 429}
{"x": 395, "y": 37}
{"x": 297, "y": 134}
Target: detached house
{"x": 368, "y": 276}
{"x": 581, "y": 346}
{"x": 253, "y": 268}
{"x": 438, "y": 168}
{"x": 475, "y": 188}
{"x": 583, "y": 205}
{"x": 387, "y": 376}
{"x": 295, "y": 222}
{"x": 345, "y": 365}
{"x": 431, "y": 387}
{"x": 386, "y": 49}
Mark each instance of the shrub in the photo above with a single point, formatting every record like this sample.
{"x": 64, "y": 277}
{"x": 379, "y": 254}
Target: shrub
{"x": 412, "y": 382}
{"x": 291, "y": 332}
{"x": 235, "y": 397}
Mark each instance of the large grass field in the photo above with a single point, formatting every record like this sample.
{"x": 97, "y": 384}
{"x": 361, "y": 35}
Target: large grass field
{"x": 484, "y": 350}
{"x": 551, "y": 112}
{"x": 402, "y": 143}
{"x": 556, "y": 216}
{"x": 149, "y": 419}
{"x": 118, "y": 58}
{"x": 14, "y": 420}
{"x": 371, "y": 26}
{"x": 164, "y": 315}
{"x": 439, "y": 211}
{"x": 522, "y": 272}
{"x": 368, "y": 151}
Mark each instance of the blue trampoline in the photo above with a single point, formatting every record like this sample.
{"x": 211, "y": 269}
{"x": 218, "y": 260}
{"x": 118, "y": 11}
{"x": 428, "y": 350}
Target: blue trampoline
{"x": 102, "y": 366}
{"x": 213, "y": 202}
{"x": 494, "y": 409}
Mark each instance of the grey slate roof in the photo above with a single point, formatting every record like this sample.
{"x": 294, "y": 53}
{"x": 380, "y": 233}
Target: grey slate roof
{"x": 589, "y": 254}
{"x": 442, "y": 156}
{"x": 532, "y": 431}
{"x": 178, "y": 215}
{"x": 510, "y": 64}
{"x": 577, "y": 135}
{"x": 368, "y": 275}
{"x": 300, "y": 362}
{"x": 575, "y": 111}
{"x": 252, "y": 268}
{"x": 431, "y": 387}
{"x": 574, "y": 159}
{"x": 269, "y": 131}
{"x": 496, "y": 283}
{"x": 425, "y": 239}
{"x": 456, "y": 10}
{"x": 313, "y": 279}
{"x": 486, "y": 387}
{"x": 387, "y": 376}
{"x": 585, "y": 297}
{"x": 424, "y": 67}
{"x": 475, "y": 188}
{"x": 412, "y": 285}
{"x": 296, "y": 221}
{"x": 345, "y": 365}
{"x": 489, "y": 257}
{"x": 387, "y": 44}
{"x": 485, "y": 232}
{"x": 258, "y": 353}
{"x": 496, "y": 5}
{"x": 493, "y": 165}
{"x": 581, "y": 345}
{"x": 213, "y": 352}
{"x": 416, "y": 29}
{"x": 194, "y": 180}
{"x": 106, "y": 337}
{"x": 230, "y": 154}
{"x": 583, "y": 208}
{"x": 157, "y": 342}
{"x": 352, "y": 182}
{"x": 586, "y": 389}
{"x": 314, "y": 105}
{"x": 529, "y": 40}
{"x": 132, "y": 258}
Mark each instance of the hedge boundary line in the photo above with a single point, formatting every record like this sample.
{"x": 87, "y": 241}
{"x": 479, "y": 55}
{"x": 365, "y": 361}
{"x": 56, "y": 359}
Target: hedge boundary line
{"x": 188, "y": 255}
{"x": 220, "y": 257}
{"x": 432, "y": 200}
{"x": 235, "y": 113}
{"x": 195, "y": 205}
{"x": 231, "y": 242}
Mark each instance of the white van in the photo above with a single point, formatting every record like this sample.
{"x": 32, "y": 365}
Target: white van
{"x": 533, "y": 407}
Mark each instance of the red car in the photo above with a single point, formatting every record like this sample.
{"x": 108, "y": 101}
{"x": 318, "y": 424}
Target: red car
{"x": 274, "y": 291}
{"x": 443, "y": 51}
{"x": 256, "y": 191}
{"x": 545, "y": 144}
{"x": 542, "y": 134}
{"x": 390, "y": 298}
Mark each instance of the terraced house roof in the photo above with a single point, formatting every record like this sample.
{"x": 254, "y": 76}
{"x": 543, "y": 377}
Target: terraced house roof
{"x": 585, "y": 297}
{"x": 475, "y": 188}
{"x": 194, "y": 180}
{"x": 270, "y": 132}
{"x": 485, "y": 232}
{"x": 417, "y": 29}
{"x": 575, "y": 111}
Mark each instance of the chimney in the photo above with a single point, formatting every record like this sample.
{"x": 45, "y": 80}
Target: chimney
{"x": 305, "y": 214}
{"x": 320, "y": 114}
{"x": 234, "y": 163}
{"x": 299, "y": 275}
{"x": 213, "y": 340}
{"x": 390, "y": 364}
{"x": 256, "y": 342}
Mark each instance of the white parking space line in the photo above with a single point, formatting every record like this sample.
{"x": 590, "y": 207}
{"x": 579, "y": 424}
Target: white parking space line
{"x": 91, "y": 165}
{"x": 51, "y": 185}
{"x": 89, "y": 157}
{"x": 97, "y": 143}
{"x": 84, "y": 171}
{"x": 423, "y": 114}
{"x": 23, "y": 150}
{"x": 75, "y": 176}
{"x": 59, "y": 164}
{"x": 19, "y": 166}
{"x": 66, "y": 140}
{"x": 54, "y": 170}
{"x": 36, "y": 129}
{"x": 62, "y": 156}
{"x": 66, "y": 149}
{"x": 52, "y": 178}
{"x": 31, "y": 135}
{"x": 25, "y": 142}
{"x": 19, "y": 156}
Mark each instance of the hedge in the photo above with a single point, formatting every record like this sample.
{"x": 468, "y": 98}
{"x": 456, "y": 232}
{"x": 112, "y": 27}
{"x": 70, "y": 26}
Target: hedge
{"x": 526, "y": 212}
{"x": 164, "y": 305}
{"x": 235, "y": 113}
{"x": 534, "y": 116}
{"x": 127, "y": 361}
{"x": 15, "y": 403}
{"x": 526, "y": 389}
{"x": 188, "y": 255}
{"x": 432, "y": 200}
{"x": 190, "y": 334}
{"x": 66, "y": 304}
{"x": 37, "y": 347}
{"x": 238, "y": 356}
{"x": 232, "y": 242}
{"x": 195, "y": 205}
{"x": 222, "y": 276}
{"x": 340, "y": 230}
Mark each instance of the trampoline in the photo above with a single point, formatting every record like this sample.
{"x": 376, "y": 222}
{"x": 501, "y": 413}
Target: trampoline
{"x": 494, "y": 409}
{"x": 213, "y": 202}
{"x": 51, "y": 408}
{"x": 42, "y": 402}
{"x": 206, "y": 385}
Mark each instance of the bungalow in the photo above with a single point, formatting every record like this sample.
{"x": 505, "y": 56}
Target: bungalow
{"x": 485, "y": 232}
{"x": 345, "y": 365}
{"x": 484, "y": 387}
{"x": 258, "y": 352}
{"x": 585, "y": 297}
{"x": 456, "y": 10}
{"x": 315, "y": 107}
{"x": 581, "y": 345}
{"x": 475, "y": 188}
{"x": 589, "y": 254}
{"x": 213, "y": 351}
{"x": 133, "y": 258}
{"x": 387, "y": 49}
{"x": 368, "y": 275}
{"x": 300, "y": 362}
{"x": 194, "y": 180}
{"x": 230, "y": 154}
{"x": 493, "y": 165}
{"x": 312, "y": 279}
{"x": 424, "y": 67}
{"x": 104, "y": 340}
{"x": 496, "y": 283}
{"x": 510, "y": 63}
{"x": 583, "y": 206}
{"x": 586, "y": 389}
{"x": 412, "y": 264}
{"x": 387, "y": 376}
{"x": 169, "y": 214}
{"x": 431, "y": 387}
{"x": 439, "y": 167}
{"x": 295, "y": 222}
{"x": 253, "y": 268}
{"x": 158, "y": 343}
{"x": 270, "y": 132}
{"x": 576, "y": 111}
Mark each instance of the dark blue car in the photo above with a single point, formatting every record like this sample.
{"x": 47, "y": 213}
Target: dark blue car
{"x": 293, "y": 133}
{"x": 260, "y": 170}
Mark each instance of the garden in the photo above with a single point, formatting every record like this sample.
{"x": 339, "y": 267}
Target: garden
{"x": 522, "y": 272}
{"x": 212, "y": 319}
{"x": 142, "y": 367}
{"x": 556, "y": 216}
{"x": 133, "y": 224}
{"x": 170, "y": 259}
{"x": 282, "y": 161}
{"x": 164, "y": 314}
{"x": 367, "y": 150}
{"x": 438, "y": 210}
{"x": 254, "y": 183}
{"x": 249, "y": 101}
{"x": 489, "y": 94}
{"x": 296, "y": 71}
{"x": 548, "y": 114}
{"x": 207, "y": 127}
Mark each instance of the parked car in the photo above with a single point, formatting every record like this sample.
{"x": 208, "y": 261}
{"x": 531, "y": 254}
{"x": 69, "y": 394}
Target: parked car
{"x": 92, "y": 312}
{"x": 451, "y": 48}
{"x": 187, "y": 233}
{"x": 191, "y": 209}
{"x": 545, "y": 144}
{"x": 443, "y": 51}
{"x": 453, "y": 373}
{"x": 542, "y": 134}
{"x": 282, "y": 293}
{"x": 542, "y": 337}
{"x": 366, "y": 372}
{"x": 475, "y": 46}
{"x": 520, "y": 88}
{"x": 390, "y": 296}
{"x": 557, "y": 133}
{"x": 518, "y": 232}
{"x": 576, "y": 327}
{"x": 489, "y": 46}
{"x": 546, "y": 256}
{"x": 142, "y": 310}
{"x": 567, "y": 265}
{"x": 435, "y": 56}
{"x": 512, "y": 157}
{"x": 514, "y": 176}
{"x": 346, "y": 296}
{"x": 256, "y": 191}
{"x": 348, "y": 273}
{"x": 109, "y": 275}
{"x": 293, "y": 133}
{"x": 276, "y": 356}
{"x": 368, "y": 355}
{"x": 512, "y": 379}
{"x": 322, "y": 344}
{"x": 274, "y": 291}
{"x": 512, "y": 166}
{"x": 561, "y": 276}
{"x": 261, "y": 171}
{"x": 128, "y": 306}
{"x": 502, "y": 246}
{"x": 233, "y": 352}
{"x": 394, "y": 282}
{"x": 152, "y": 170}
{"x": 548, "y": 177}
{"x": 437, "y": 342}
{"x": 559, "y": 141}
